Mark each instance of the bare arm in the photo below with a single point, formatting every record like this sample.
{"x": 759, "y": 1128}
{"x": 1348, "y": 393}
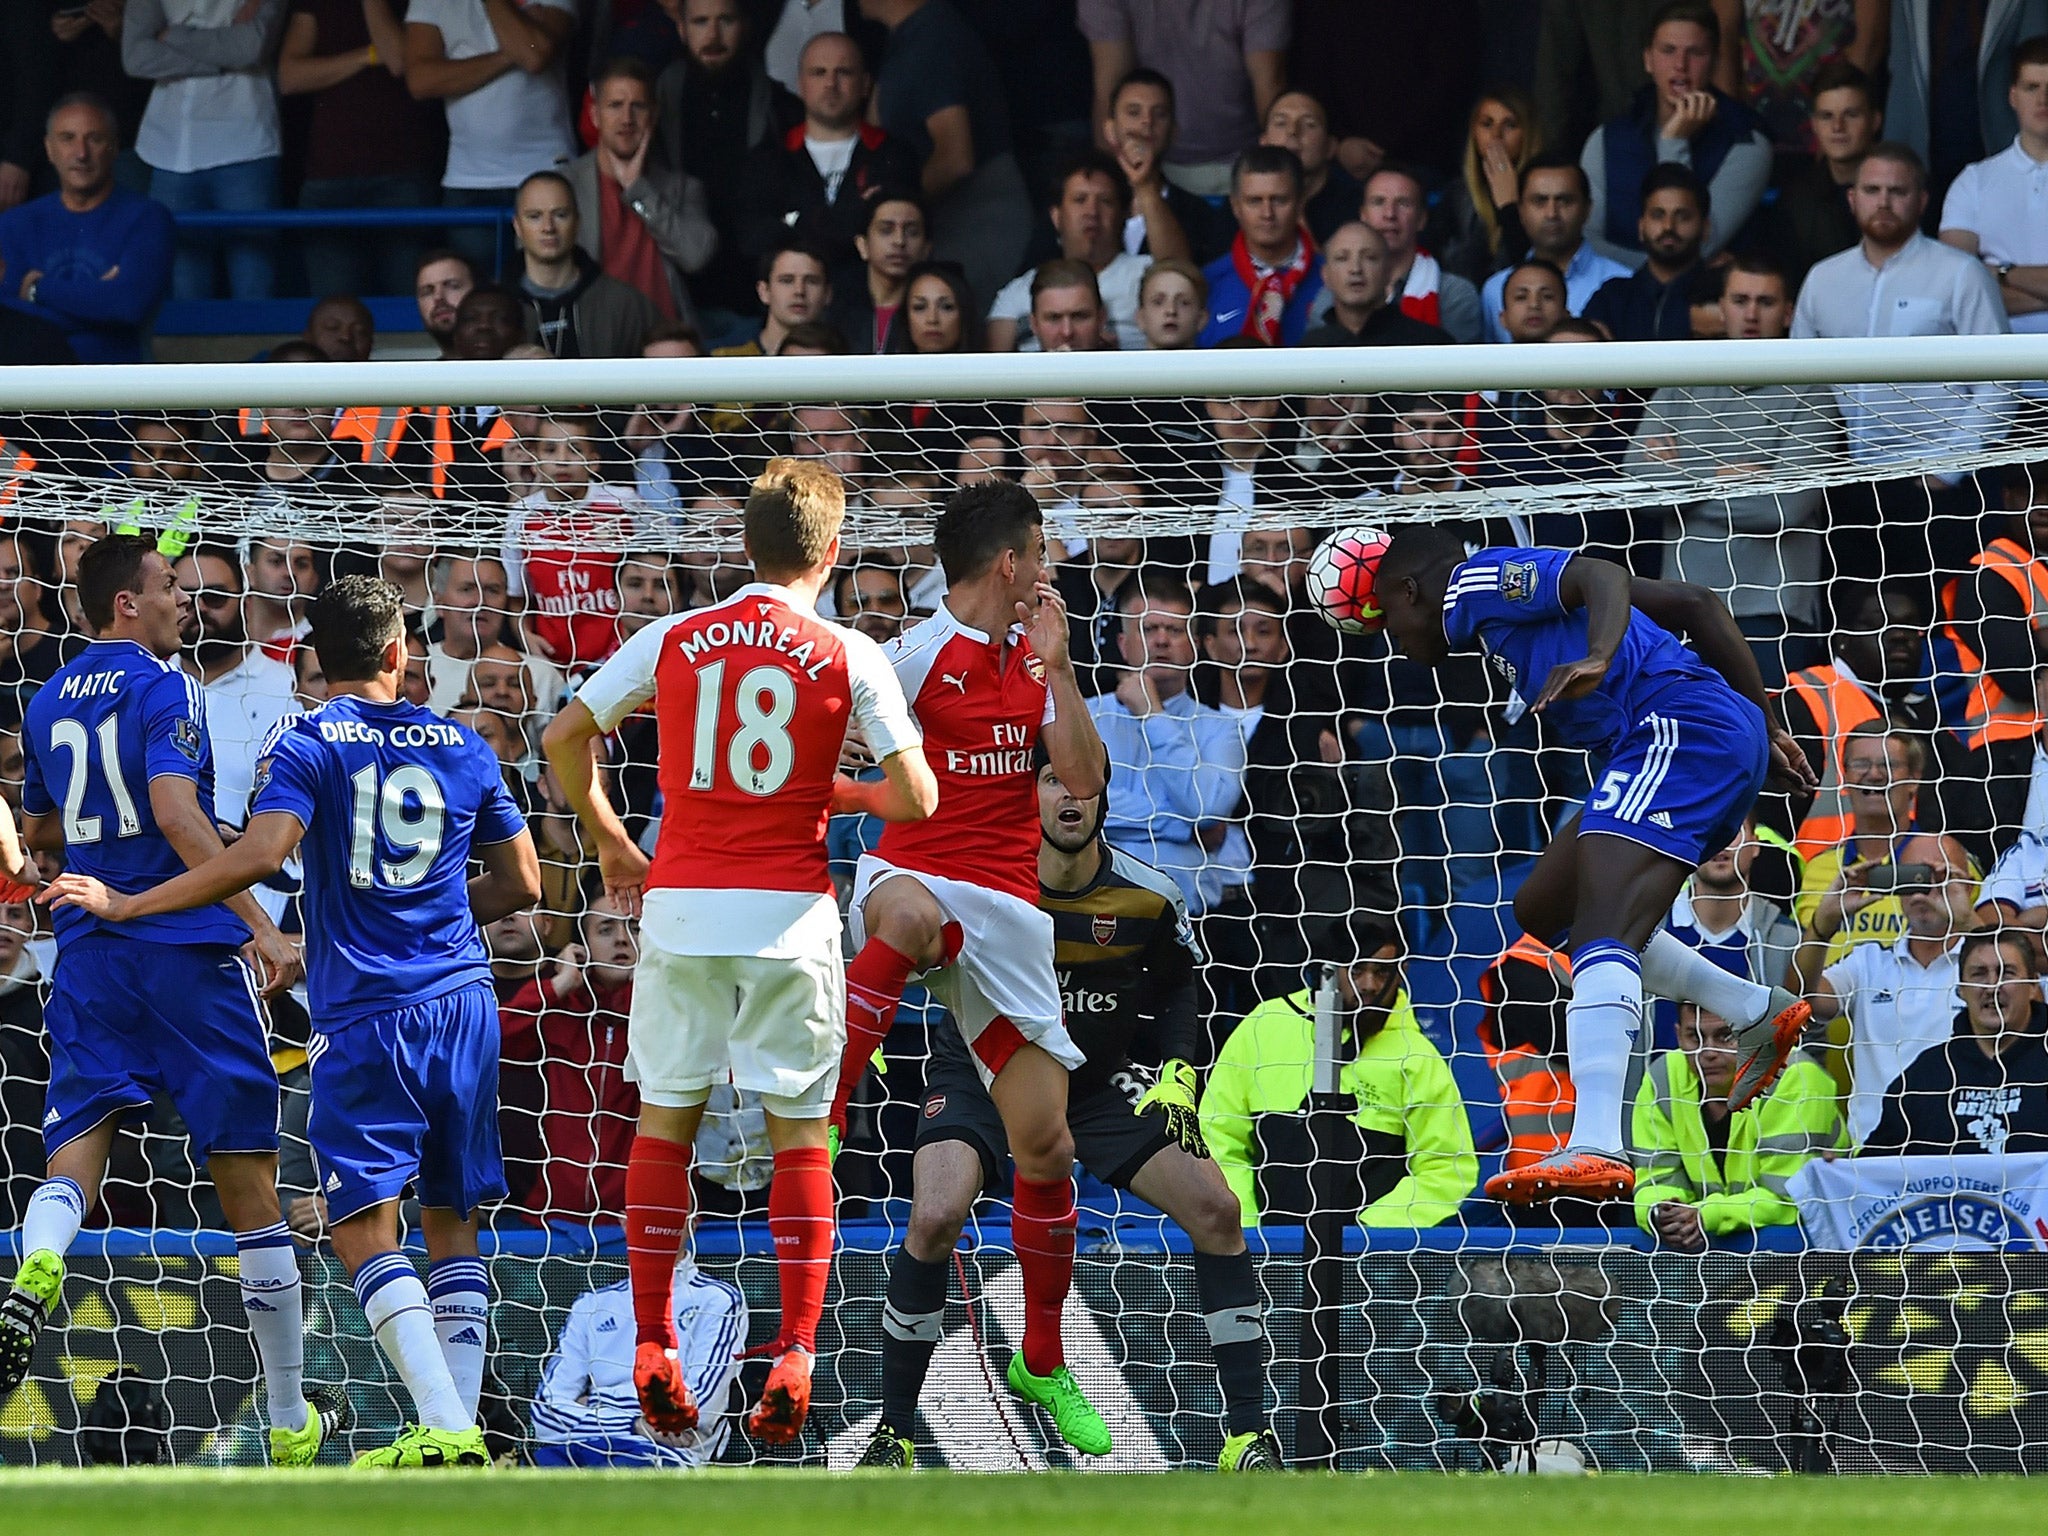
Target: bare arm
{"x": 999, "y": 336}
{"x": 1704, "y": 619}
{"x": 259, "y": 853}
{"x": 1808, "y": 976}
{"x": 1268, "y": 73}
{"x": 1112, "y": 62}
{"x": 387, "y": 35}
{"x": 190, "y": 830}
{"x": 1728, "y": 63}
{"x": 510, "y": 881}
{"x": 1071, "y": 740}
{"x": 300, "y": 71}
{"x": 908, "y": 790}
{"x": 572, "y": 742}
{"x": 1870, "y": 48}
{"x": 952, "y": 156}
{"x": 431, "y": 74}
{"x": 529, "y": 37}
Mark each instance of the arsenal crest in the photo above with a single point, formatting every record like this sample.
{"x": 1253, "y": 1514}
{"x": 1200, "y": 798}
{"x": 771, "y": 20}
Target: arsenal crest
{"x": 934, "y": 1106}
{"x": 1035, "y": 665}
{"x": 1103, "y": 928}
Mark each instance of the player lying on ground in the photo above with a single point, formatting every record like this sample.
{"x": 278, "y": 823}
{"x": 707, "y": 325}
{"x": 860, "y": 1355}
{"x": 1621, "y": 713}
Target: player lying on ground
{"x": 387, "y": 804}
{"x": 119, "y": 779}
{"x": 1685, "y": 744}
{"x": 955, "y": 898}
{"x": 739, "y": 975}
{"x": 1127, "y": 962}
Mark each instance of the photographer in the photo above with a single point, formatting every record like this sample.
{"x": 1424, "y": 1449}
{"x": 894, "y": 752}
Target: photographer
{"x": 1898, "y": 998}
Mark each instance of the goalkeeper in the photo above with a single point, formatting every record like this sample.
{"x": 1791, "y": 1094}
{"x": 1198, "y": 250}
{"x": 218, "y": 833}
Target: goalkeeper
{"x": 1126, "y": 956}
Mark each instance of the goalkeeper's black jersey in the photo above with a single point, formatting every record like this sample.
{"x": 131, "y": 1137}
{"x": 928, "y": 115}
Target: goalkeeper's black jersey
{"x": 1126, "y": 955}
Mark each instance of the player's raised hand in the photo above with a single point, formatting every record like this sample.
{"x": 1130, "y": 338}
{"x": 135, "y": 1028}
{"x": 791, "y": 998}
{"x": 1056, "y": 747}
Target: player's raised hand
{"x": 1045, "y": 625}
{"x": 86, "y": 894}
{"x": 1790, "y": 771}
{"x": 624, "y": 868}
{"x": 1571, "y": 680}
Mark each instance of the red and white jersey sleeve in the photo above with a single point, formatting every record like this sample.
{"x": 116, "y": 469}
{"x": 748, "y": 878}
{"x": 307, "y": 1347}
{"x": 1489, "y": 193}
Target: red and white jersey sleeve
{"x": 881, "y": 714}
{"x": 980, "y": 707}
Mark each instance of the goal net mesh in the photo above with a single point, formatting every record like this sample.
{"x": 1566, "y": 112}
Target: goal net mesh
{"x": 1305, "y": 784}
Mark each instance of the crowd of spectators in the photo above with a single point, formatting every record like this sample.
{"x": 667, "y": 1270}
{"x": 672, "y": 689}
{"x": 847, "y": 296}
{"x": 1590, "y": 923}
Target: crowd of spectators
{"x": 933, "y": 176}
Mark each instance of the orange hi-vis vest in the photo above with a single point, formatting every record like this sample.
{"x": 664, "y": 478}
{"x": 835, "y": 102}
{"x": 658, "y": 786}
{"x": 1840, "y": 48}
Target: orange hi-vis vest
{"x": 1536, "y": 1094}
{"x": 1989, "y": 713}
{"x": 1838, "y": 705}
{"x": 16, "y": 465}
{"x": 381, "y": 436}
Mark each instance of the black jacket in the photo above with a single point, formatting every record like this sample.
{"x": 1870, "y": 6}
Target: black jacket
{"x": 599, "y": 317}
{"x": 783, "y": 196}
{"x": 1955, "y": 1098}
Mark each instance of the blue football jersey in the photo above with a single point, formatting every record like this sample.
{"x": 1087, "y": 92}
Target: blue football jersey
{"x": 107, "y": 723}
{"x": 1506, "y": 600}
{"x": 393, "y": 798}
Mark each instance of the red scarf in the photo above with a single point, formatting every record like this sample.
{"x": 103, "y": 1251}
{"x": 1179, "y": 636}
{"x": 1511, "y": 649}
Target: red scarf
{"x": 1419, "y": 297}
{"x": 1267, "y": 296}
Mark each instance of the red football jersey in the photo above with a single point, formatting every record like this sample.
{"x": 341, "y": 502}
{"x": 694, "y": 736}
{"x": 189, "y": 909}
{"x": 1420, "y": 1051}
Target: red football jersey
{"x": 571, "y": 589}
{"x": 754, "y": 698}
{"x": 980, "y": 710}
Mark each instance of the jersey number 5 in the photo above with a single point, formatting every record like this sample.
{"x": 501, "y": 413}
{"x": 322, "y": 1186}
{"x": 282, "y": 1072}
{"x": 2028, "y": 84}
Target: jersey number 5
{"x": 765, "y": 704}
{"x": 414, "y": 830}
{"x": 70, "y": 735}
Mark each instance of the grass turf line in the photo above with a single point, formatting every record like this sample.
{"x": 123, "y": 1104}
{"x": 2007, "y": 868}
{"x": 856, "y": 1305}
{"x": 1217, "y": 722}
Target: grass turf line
{"x": 742, "y": 1503}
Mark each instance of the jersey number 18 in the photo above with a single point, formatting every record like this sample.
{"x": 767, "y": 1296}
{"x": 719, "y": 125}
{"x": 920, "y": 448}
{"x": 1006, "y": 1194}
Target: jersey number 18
{"x": 765, "y": 703}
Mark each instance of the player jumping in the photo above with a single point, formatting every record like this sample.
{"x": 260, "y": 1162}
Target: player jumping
{"x": 988, "y": 676}
{"x": 739, "y": 976}
{"x": 390, "y": 803}
{"x": 1686, "y": 745}
{"x": 1127, "y": 959}
{"x": 119, "y": 777}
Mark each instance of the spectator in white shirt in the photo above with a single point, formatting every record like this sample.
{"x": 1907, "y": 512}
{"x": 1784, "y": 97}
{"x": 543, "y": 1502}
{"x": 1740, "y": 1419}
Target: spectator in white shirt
{"x": 1900, "y": 999}
{"x": 1896, "y": 282}
{"x": 498, "y": 66}
{"x": 1092, "y": 202}
{"x": 210, "y": 134}
{"x": 1997, "y": 209}
{"x": 1177, "y": 764}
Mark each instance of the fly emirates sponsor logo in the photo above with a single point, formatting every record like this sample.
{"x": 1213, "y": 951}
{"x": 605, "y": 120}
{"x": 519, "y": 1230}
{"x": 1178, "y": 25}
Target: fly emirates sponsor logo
{"x": 1010, "y": 753}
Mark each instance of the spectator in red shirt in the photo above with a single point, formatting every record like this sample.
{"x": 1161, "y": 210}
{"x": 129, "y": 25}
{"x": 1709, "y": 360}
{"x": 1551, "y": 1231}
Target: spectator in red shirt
{"x": 642, "y": 220}
{"x": 569, "y": 1027}
{"x": 561, "y": 542}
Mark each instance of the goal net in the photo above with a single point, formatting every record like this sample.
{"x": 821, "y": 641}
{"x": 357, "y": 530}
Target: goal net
{"x": 1316, "y": 800}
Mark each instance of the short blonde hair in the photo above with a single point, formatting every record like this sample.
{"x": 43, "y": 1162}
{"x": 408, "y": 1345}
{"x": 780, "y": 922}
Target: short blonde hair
{"x": 793, "y": 514}
{"x": 1187, "y": 271}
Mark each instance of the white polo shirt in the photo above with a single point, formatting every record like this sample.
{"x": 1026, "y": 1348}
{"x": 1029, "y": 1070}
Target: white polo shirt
{"x": 2019, "y": 879}
{"x": 1118, "y": 283}
{"x": 1897, "y": 1008}
{"x": 2003, "y": 201}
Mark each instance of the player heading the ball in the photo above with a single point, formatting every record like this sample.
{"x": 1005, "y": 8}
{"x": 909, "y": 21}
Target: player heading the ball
{"x": 387, "y": 804}
{"x": 1682, "y": 745}
{"x": 739, "y": 976}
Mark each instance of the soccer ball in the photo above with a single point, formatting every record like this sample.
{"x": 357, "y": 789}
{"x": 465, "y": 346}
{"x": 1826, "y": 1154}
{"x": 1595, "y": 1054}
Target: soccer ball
{"x": 1547, "y": 1458}
{"x": 1343, "y": 575}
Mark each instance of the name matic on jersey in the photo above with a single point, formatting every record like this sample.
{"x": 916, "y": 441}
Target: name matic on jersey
{"x": 91, "y": 685}
{"x": 720, "y": 633}
{"x": 421, "y": 734}
{"x": 1012, "y": 754}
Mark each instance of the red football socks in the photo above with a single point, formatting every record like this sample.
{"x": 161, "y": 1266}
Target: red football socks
{"x": 874, "y": 986}
{"x": 800, "y": 1221}
{"x": 1042, "y": 1227}
{"x": 657, "y": 1223}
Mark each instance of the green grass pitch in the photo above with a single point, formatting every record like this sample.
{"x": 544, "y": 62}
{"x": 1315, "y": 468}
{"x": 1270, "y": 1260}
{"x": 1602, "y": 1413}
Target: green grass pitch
{"x": 740, "y": 1503}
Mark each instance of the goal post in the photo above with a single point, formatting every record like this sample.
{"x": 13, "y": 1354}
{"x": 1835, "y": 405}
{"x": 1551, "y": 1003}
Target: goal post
{"x": 533, "y": 511}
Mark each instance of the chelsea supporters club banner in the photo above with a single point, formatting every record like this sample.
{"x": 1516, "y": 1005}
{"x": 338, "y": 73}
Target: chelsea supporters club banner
{"x": 1946, "y": 1202}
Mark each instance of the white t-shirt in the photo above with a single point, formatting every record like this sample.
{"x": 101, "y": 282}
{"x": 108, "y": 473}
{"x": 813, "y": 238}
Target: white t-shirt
{"x": 2003, "y": 201}
{"x": 222, "y": 117}
{"x": 241, "y": 708}
{"x": 1119, "y": 282}
{"x": 833, "y": 158}
{"x": 502, "y": 132}
{"x": 793, "y": 29}
{"x": 2020, "y": 877}
{"x": 1896, "y": 1009}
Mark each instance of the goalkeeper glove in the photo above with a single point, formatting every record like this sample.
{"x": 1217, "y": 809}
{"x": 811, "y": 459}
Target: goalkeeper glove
{"x": 1173, "y": 1095}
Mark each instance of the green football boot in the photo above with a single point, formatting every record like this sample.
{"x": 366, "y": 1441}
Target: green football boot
{"x": 886, "y": 1448}
{"x": 1256, "y": 1450}
{"x": 38, "y": 1286}
{"x": 1061, "y": 1396}
{"x": 418, "y": 1446}
{"x": 327, "y": 1415}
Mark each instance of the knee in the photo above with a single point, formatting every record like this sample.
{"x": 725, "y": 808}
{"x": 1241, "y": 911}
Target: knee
{"x": 909, "y": 927}
{"x": 934, "y": 1230}
{"x": 1044, "y": 1155}
{"x": 1215, "y": 1221}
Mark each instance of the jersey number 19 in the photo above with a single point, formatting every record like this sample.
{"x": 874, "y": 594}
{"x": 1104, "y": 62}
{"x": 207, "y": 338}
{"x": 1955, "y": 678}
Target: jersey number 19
{"x": 413, "y": 830}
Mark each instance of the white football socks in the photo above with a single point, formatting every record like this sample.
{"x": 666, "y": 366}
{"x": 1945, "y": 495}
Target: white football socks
{"x": 395, "y": 1303}
{"x": 1673, "y": 969}
{"x": 273, "y": 1301}
{"x": 460, "y": 1292}
{"x": 55, "y": 1213}
{"x": 1601, "y": 1021}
